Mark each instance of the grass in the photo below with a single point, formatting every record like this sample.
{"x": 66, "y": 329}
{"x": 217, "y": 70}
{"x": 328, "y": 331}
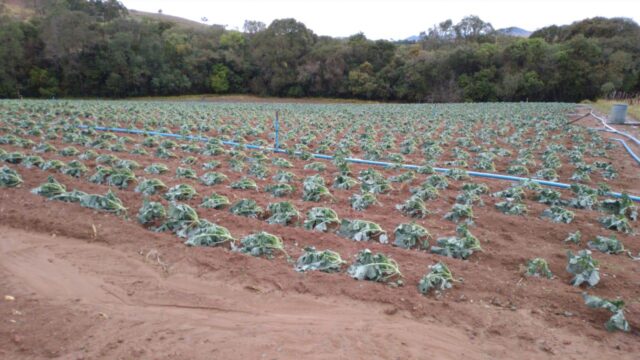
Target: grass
{"x": 605, "y": 106}
{"x": 252, "y": 98}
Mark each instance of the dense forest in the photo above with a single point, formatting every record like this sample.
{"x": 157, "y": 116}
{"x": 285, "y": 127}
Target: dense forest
{"x": 79, "y": 48}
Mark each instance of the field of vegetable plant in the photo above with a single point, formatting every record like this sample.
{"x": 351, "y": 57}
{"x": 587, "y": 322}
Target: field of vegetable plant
{"x": 376, "y": 203}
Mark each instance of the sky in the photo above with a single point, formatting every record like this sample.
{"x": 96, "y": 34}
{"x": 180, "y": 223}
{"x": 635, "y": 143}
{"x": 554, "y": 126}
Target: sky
{"x": 387, "y": 19}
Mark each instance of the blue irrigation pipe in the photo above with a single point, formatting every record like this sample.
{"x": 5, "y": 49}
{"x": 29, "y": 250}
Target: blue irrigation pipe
{"x": 352, "y": 160}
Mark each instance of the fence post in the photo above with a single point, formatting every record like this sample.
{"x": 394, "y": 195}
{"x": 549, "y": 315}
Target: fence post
{"x": 277, "y": 126}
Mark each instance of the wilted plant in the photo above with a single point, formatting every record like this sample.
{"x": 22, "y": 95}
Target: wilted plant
{"x": 617, "y": 321}
{"x": 32, "y": 161}
{"x": 279, "y": 190}
{"x": 617, "y": 223}
{"x": 246, "y": 207}
{"x": 460, "y": 246}
{"x": 151, "y": 211}
{"x": 460, "y": 212}
{"x": 156, "y": 169}
{"x": 186, "y": 173}
{"x": 313, "y": 189}
{"x": 584, "y": 267}
{"x": 511, "y": 207}
{"x": 108, "y": 202}
{"x": 538, "y": 267}
{"x": 321, "y": 219}
{"x": 9, "y": 177}
{"x": 74, "y": 168}
{"x": 244, "y": 184}
{"x": 50, "y": 188}
{"x": 208, "y": 234}
{"x": 360, "y": 202}
{"x": 372, "y": 267}
{"x": 261, "y": 243}
{"x": 344, "y": 182}
{"x": 608, "y": 245}
{"x": 121, "y": 178}
{"x": 181, "y": 219}
{"x": 574, "y": 237}
{"x": 150, "y": 187}
{"x": 558, "y": 214}
{"x": 180, "y": 192}
{"x": 412, "y": 235}
{"x": 438, "y": 279}
{"x": 326, "y": 261}
{"x": 414, "y": 207}
{"x": 362, "y": 230}
{"x": 213, "y": 178}
{"x": 282, "y": 213}
{"x": 215, "y": 201}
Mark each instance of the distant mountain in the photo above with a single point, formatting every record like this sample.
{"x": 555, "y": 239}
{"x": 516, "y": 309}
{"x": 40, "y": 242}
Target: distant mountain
{"x": 514, "y": 31}
{"x": 510, "y": 31}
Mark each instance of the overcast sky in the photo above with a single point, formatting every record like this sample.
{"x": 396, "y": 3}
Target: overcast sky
{"x": 387, "y": 19}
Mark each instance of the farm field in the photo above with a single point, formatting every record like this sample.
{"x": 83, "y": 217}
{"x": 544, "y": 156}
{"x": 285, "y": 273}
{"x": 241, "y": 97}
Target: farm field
{"x": 123, "y": 245}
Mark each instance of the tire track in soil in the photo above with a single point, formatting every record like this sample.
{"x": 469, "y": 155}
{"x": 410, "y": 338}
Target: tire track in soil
{"x": 133, "y": 310}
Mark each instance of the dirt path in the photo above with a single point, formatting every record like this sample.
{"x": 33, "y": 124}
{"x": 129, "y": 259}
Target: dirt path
{"x": 118, "y": 305}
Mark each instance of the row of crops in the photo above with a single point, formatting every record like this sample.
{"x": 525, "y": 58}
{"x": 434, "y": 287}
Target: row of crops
{"x": 171, "y": 177}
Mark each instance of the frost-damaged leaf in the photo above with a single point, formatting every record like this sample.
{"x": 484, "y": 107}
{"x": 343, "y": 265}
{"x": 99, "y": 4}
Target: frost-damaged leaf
{"x": 74, "y": 168}
{"x": 460, "y": 246}
{"x": 108, "y": 202}
{"x": 53, "y": 165}
{"x": 156, "y": 169}
{"x": 360, "y": 202}
{"x": 186, "y": 173}
{"x": 623, "y": 206}
{"x": 279, "y": 190}
{"x": 32, "y": 161}
{"x": 558, "y": 214}
{"x": 209, "y": 234}
{"x": 244, "y": 184}
{"x": 246, "y": 207}
{"x": 412, "y": 235}
{"x": 50, "y": 188}
{"x": 180, "y": 192}
{"x": 70, "y": 196}
{"x": 150, "y": 212}
{"x": 344, "y": 182}
{"x": 326, "y": 261}
{"x": 261, "y": 243}
{"x": 321, "y": 219}
{"x": 460, "y": 212}
{"x": 101, "y": 174}
{"x": 215, "y": 201}
{"x": 181, "y": 218}
{"x": 313, "y": 189}
{"x": 617, "y": 321}
{"x": 438, "y": 279}
{"x": 414, "y": 207}
{"x": 362, "y": 230}
{"x": 538, "y": 267}
{"x": 617, "y": 223}
{"x": 150, "y": 186}
{"x": 372, "y": 267}
{"x": 282, "y": 213}
{"x": 574, "y": 237}
{"x": 121, "y": 178}
{"x": 584, "y": 267}
{"x": 213, "y": 178}
{"x": 608, "y": 245}
{"x": 511, "y": 207}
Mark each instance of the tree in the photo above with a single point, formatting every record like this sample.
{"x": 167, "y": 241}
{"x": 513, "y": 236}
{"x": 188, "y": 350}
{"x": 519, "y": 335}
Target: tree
{"x": 219, "y": 79}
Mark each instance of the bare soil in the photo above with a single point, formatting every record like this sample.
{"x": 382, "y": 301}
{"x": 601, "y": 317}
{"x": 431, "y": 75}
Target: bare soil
{"x": 87, "y": 285}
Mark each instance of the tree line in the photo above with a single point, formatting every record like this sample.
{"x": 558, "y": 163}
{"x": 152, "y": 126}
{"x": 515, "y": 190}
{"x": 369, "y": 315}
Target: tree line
{"x": 80, "y": 48}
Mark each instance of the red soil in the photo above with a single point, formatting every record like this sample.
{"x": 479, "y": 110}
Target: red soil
{"x": 93, "y": 285}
